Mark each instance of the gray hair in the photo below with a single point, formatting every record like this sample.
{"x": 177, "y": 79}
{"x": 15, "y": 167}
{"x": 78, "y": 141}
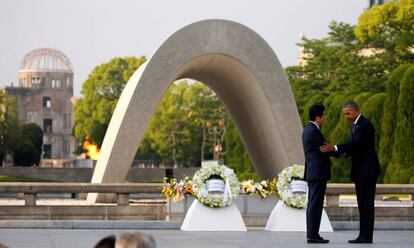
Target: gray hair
{"x": 351, "y": 104}
{"x": 135, "y": 240}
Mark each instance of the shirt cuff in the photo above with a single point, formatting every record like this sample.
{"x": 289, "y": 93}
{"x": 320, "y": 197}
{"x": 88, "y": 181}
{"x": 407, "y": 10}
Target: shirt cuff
{"x": 336, "y": 148}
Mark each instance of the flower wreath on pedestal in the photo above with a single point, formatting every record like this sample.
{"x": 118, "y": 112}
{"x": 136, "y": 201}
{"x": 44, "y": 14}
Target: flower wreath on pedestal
{"x": 292, "y": 174}
{"x": 210, "y": 199}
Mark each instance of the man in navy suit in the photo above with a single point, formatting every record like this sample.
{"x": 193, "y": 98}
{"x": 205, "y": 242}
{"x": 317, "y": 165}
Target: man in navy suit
{"x": 365, "y": 167}
{"x": 317, "y": 172}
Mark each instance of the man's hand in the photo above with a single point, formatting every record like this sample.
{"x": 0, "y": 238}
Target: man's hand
{"x": 327, "y": 148}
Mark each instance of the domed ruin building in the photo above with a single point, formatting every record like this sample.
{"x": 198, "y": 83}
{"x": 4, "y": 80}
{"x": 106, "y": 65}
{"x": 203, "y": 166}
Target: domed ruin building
{"x": 44, "y": 94}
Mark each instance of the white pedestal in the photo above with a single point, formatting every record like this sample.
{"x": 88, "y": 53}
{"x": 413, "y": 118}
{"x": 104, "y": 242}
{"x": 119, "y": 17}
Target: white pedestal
{"x": 201, "y": 218}
{"x": 288, "y": 219}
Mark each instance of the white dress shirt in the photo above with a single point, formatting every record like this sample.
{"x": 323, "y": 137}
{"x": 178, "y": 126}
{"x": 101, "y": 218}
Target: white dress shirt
{"x": 354, "y": 123}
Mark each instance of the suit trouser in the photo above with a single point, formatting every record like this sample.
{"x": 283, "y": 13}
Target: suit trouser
{"x": 365, "y": 191}
{"x": 316, "y": 193}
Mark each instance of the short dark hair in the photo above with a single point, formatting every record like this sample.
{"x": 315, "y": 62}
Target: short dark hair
{"x": 107, "y": 242}
{"x": 316, "y": 110}
{"x": 351, "y": 104}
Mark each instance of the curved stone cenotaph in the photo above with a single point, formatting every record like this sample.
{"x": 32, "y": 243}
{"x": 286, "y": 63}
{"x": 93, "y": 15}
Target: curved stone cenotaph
{"x": 240, "y": 67}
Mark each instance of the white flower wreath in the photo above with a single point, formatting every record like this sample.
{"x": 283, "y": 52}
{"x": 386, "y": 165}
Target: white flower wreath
{"x": 290, "y": 198}
{"x": 216, "y": 200}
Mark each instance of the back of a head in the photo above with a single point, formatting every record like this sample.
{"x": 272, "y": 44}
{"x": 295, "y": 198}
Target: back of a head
{"x": 107, "y": 242}
{"x": 135, "y": 240}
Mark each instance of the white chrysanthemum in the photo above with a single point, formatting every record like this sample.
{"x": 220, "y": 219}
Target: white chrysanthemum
{"x": 215, "y": 200}
{"x": 283, "y": 185}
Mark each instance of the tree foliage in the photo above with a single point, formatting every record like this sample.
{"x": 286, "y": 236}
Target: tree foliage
{"x": 236, "y": 153}
{"x": 369, "y": 64}
{"x": 9, "y": 133}
{"x": 168, "y": 131}
{"x": 389, "y": 118}
{"x": 29, "y": 150}
{"x": 334, "y": 65}
{"x": 196, "y": 110}
{"x": 178, "y": 133}
{"x": 389, "y": 27}
{"x": 100, "y": 94}
{"x": 401, "y": 168}
{"x": 181, "y": 130}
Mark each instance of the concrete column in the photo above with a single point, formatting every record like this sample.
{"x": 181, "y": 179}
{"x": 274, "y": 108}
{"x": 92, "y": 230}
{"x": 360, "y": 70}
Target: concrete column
{"x": 123, "y": 199}
{"x": 244, "y": 72}
{"x": 30, "y": 199}
{"x": 168, "y": 210}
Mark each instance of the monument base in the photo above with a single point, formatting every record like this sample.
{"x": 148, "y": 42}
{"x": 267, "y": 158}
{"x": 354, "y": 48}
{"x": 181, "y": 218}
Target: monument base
{"x": 287, "y": 219}
{"x": 202, "y": 218}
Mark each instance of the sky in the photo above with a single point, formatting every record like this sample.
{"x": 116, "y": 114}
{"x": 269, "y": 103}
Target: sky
{"x": 91, "y": 32}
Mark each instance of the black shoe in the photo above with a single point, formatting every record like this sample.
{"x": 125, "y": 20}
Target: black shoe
{"x": 319, "y": 240}
{"x": 360, "y": 241}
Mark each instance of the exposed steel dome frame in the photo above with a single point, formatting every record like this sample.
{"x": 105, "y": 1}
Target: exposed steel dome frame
{"x": 46, "y": 59}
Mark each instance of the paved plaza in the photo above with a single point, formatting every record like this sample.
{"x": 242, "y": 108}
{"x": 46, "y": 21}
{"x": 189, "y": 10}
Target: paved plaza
{"x": 46, "y": 238}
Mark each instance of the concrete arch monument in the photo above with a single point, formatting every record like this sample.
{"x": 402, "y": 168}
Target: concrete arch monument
{"x": 240, "y": 67}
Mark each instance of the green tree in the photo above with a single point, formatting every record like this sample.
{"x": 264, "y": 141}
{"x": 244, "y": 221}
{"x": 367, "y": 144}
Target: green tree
{"x": 334, "y": 65}
{"x": 145, "y": 150}
{"x": 29, "y": 150}
{"x": 178, "y": 131}
{"x": 168, "y": 130}
{"x": 401, "y": 168}
{"x": 100, "y": 94}
{"x": 389, "y": 119}
{"x": 237, "y": 156}
{"x": 9, "y": 133}
{"x": 360, "y": 59}
{"x": 205, "y": 110}
{"x": 336, "y": 131}
{"x": 389, "y": 29}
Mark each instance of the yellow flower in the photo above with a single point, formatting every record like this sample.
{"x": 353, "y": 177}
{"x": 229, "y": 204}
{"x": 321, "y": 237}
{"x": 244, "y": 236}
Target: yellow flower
{"x": 189, "y": 189}
{"x": 168, "y": 192}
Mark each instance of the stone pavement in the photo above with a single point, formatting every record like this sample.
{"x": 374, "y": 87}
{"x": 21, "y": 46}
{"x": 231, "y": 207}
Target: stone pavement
{"x": 21, "y": 238}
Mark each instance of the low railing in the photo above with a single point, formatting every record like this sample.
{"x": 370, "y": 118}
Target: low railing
{"x": 122, "y": 190}
{"x": 340, "y": 205}
{"x": 386, "y": 208}
{"x": 334, "y": 190}
{"x": 139, "y": 208}
{"x": 254, "y": 210}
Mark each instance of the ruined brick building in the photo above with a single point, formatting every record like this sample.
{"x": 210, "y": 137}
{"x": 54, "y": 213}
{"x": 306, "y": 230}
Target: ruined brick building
{"x": 44, "y": 94}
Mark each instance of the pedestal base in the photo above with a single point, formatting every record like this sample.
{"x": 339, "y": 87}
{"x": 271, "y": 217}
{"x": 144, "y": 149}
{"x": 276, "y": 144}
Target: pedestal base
{"x": 287, "y": 219}
{"x": 201, "y": 218}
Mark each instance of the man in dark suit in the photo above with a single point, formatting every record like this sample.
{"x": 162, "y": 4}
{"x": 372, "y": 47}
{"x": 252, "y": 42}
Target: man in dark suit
{"x": 365, "y": 167}
{"x": 317, "y": 172}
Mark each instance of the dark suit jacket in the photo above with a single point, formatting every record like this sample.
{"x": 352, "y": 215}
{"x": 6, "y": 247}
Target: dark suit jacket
{"x": 317, "y": 164}
{"x": 361, "y": 148}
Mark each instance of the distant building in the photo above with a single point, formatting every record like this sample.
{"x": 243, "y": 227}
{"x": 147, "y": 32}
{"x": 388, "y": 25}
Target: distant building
{"x": 376, "y": 2}
{"x": 44, "y": 95}
{"x": 303, "y": 56}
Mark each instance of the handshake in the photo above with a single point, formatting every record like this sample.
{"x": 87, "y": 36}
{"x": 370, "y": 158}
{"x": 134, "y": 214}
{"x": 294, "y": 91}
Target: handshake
{"x": 327, "y": 148}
